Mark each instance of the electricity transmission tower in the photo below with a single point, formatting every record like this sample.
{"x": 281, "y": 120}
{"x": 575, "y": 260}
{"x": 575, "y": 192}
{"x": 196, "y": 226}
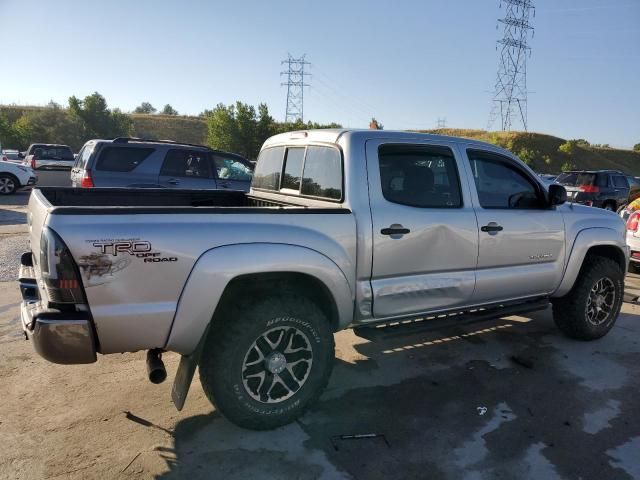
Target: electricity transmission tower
{"x": 442, "y": 123}
{"x": 295, "y": 84}
{"x": 510, "y": 91}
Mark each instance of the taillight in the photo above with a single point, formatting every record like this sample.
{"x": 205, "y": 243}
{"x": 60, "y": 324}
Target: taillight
{"x": 632, "y": 222}
{"x": 33, "y": 163}
{"x": 59, "y": 272}
{"x": 589, "y": 188}
{"x": 87, "y": 180}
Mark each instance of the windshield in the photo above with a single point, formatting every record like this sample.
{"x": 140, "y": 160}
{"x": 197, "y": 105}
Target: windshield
{"x": 575, "y": 179}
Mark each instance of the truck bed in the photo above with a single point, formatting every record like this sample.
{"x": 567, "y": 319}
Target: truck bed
{"x": 78, "y": 201}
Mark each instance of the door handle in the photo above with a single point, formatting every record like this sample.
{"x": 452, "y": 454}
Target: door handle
{"x": 173, "y": 181}
{"x": 395, "y": 229}
{"x": 491, "y": 228}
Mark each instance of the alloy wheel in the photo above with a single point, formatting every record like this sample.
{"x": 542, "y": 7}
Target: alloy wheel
{"x": 601, "y": 301}
{"x": 277, "y": 364}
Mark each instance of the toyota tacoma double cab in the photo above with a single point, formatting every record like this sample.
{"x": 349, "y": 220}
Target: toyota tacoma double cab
{"x": 341, "y": 228}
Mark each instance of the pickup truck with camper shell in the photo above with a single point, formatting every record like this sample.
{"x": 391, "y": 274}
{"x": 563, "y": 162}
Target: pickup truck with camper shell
{"x": 341, "y": 228}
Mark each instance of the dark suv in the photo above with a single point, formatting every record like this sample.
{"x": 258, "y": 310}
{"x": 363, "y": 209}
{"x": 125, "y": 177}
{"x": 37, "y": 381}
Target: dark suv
{"x": 135, "y": 162}
{"x": 608, "y": 189}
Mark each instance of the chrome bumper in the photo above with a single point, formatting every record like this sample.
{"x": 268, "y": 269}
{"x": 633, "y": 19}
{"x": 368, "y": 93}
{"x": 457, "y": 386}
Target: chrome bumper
{"x": 58, "y": 336}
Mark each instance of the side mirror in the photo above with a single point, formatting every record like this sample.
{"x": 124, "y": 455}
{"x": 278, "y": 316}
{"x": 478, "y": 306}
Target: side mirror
{"x": 557, "y": 194}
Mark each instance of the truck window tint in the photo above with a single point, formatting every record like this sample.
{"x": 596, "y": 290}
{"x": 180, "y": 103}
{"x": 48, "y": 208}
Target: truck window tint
{"x": 186, "y": 163}
{"x": 502, "y": 185}
{"x": 419, "y": 176}
{"x": 322, "y": 176}
{"x": 267, "y": 174}
{"x": 228, "y": 168}
{"x": 293, "y": 168}
{"x": 122, "y": 159}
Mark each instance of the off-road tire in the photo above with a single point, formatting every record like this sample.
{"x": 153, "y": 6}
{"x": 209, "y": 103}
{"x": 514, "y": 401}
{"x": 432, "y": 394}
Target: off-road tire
{"x": 14, "y": 182}
{"x": 233, "y": 338}
{"x": 570, "y": 311}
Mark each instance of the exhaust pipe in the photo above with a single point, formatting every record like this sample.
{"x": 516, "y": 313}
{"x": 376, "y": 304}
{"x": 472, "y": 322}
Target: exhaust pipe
{"x": 155, "y": 366}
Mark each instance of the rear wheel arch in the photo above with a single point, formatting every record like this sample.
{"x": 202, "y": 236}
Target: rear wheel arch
{"x": 260, "y": 285}
{"x": 15, "y": 179}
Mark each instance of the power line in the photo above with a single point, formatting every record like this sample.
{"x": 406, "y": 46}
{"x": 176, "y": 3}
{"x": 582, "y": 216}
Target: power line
{"x": 295, "y": 87}
{"x": 510, "y": 90}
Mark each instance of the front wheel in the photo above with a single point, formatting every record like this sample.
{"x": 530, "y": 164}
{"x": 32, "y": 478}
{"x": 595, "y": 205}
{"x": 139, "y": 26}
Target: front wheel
{"x": 265, "y": 363}
{"x": 592, "y": 306}
{"x": 8, "y": 184}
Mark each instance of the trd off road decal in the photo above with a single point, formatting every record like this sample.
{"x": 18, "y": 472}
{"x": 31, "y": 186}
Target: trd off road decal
{"x": 112, "y": 255}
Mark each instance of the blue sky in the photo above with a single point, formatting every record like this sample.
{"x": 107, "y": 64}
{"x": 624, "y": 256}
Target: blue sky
{"x": 404, "y": 62}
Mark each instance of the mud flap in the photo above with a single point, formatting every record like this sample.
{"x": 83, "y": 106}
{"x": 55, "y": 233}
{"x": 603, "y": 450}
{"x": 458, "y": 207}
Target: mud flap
{"x": 184, "y": 375}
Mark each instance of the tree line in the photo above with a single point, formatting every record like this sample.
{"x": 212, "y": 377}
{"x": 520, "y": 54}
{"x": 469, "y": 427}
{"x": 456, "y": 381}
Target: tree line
{"x": 239, "y": 127}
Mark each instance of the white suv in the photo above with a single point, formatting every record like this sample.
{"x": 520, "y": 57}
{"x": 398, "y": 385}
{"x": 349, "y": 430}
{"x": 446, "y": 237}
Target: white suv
{"x": 14, "y": 177}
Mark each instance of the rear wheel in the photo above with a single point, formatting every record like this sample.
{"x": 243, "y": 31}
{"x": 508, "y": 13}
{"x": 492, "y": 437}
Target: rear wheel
{"x": 592, "y": 306}
{"x": 265, "y": 363}
{"x": 8, "y": 184}
{"x": 609, "y": 206}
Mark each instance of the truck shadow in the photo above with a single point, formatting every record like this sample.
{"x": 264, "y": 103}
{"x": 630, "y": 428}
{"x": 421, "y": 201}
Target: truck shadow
{"x": 507, "y": 398}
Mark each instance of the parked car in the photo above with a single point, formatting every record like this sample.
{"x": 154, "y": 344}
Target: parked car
{"x": 11, "y": 156}
{"x": 134, "y": 162}
{"x": 547, "y": 178}
{"x": 13, "y": 177}
{"x": 49, "y": 156}
{"x": 606, "y": 189}
{"x": 634, "y": 188}
{"x": 340, "y": 229}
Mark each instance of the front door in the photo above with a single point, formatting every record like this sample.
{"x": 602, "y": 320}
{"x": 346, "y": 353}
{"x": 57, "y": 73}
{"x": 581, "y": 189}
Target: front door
{"x": 425, "y": 235}
{"x": 189, "y": 169}
{"x": 231, "y": 172}
{"x": 521, "y": 239}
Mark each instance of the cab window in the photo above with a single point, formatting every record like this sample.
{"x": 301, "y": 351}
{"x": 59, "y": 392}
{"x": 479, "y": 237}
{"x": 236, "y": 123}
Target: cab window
{"x": 502, "y": 184}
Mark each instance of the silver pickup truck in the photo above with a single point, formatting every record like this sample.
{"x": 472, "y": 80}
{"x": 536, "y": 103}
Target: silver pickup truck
{"x": 340, "y": 229}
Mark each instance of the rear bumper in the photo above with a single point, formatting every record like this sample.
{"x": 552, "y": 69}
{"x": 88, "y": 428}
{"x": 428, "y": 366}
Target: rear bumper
{"x": 57, "y": 336}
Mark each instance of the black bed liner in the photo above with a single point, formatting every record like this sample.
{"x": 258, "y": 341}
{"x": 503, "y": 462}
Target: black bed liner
{"x": 127, "y": 201}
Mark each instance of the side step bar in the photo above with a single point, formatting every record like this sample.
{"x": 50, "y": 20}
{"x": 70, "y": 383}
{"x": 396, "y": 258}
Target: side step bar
{"x": 447, "y": 319}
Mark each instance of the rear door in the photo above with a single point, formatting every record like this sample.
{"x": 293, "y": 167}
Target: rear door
{"x": 184, "y": 168}
{"x": 232, "y": 172}
{"x": 521, "y": 240}
{"x": 425, "y": 235}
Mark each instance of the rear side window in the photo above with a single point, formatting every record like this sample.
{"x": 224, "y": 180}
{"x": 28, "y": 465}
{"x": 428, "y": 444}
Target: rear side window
{"x": 322, "y": 173}
{"x": 419, "y": 176}
{"x": 267, "y": 174}
{"x": 186, "y": 163}
{"x": 121, "y": 159}
{"x": 83, "y": 156}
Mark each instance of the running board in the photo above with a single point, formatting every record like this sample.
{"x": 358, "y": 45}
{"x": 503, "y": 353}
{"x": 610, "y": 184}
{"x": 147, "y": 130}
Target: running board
{"x": 447, "y": 319}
